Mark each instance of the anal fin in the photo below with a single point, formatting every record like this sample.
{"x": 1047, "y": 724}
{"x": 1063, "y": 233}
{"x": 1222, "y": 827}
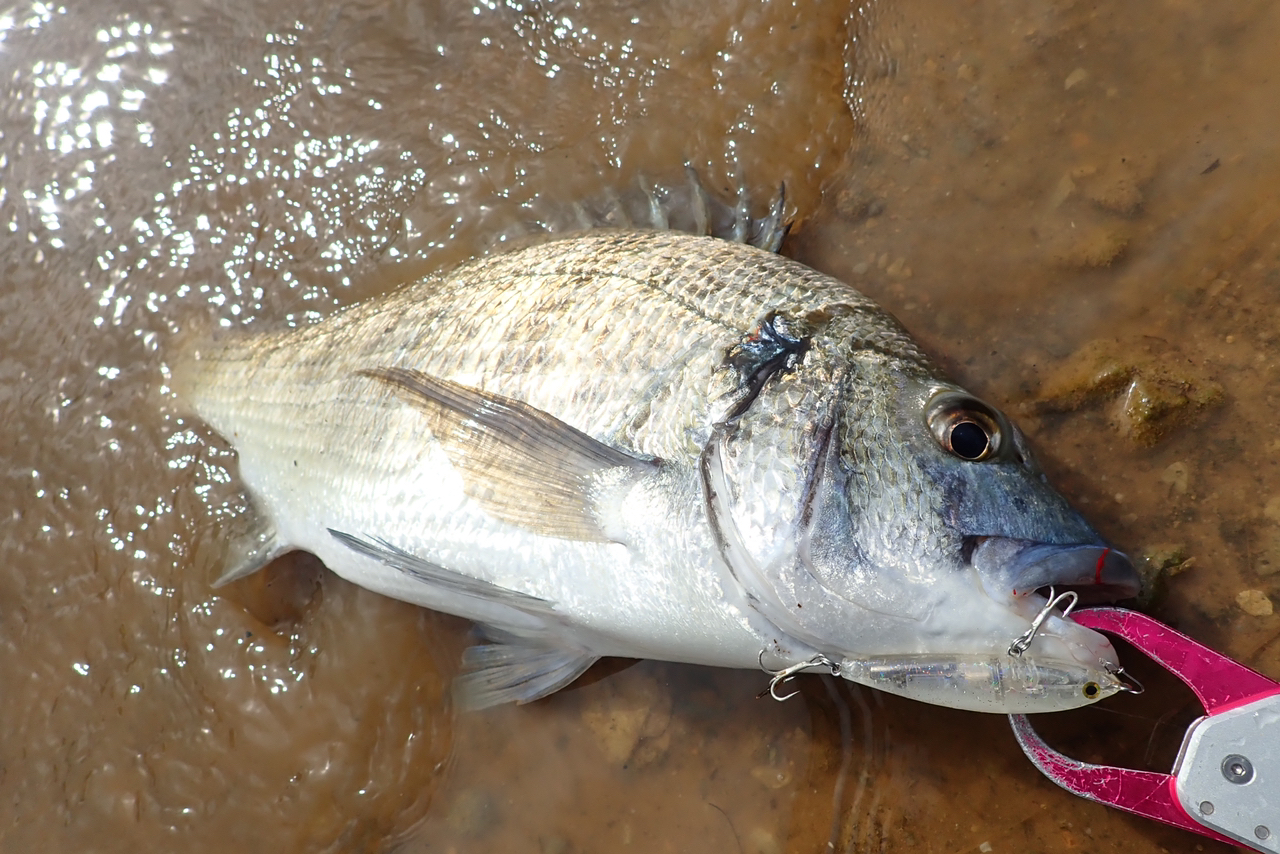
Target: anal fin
{"x": 251, "y": 551}
{"x": 507, "y": 668}
{"x": 516, "y": 672}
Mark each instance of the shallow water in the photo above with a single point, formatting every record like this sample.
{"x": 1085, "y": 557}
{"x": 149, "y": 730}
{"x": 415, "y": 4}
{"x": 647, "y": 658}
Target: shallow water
{"x": 1038, "y": 190}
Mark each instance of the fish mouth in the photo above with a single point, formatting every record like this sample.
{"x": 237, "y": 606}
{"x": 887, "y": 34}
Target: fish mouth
{"x": 1020, "y": 575}
{"x": 1095, "y": 572}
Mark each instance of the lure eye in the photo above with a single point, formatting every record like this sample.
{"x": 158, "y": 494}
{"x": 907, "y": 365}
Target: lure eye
{"x": 964, "y": 426}
{"x": 1091, "y": 690}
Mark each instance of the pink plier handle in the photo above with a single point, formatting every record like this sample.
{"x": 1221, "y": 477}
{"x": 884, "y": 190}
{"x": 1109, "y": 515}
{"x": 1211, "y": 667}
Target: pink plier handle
{"x": 1219, "y": 682}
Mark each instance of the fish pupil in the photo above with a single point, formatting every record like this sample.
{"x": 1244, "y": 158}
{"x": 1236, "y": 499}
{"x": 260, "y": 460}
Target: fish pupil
{"x": 968, "y": 440}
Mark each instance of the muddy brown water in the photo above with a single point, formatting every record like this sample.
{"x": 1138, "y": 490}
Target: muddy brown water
{"x": 1073, "y": 205}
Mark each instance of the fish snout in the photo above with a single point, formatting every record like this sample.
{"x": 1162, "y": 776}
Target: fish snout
{"x": 1097, "y": 573}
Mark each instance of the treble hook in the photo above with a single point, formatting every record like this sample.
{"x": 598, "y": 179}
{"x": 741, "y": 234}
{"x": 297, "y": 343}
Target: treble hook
{"x": 1124, "y": 677}
{"x": 786, "y": 673}
{"x": 1023, "y": 641}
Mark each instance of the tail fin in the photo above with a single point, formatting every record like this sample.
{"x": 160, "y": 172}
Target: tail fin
{"x": 204, "y": 364}
{"x": 208, "y": 371}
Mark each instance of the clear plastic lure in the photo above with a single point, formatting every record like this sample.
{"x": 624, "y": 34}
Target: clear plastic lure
{"x": 1007, "y": 684}
{"x": 1004, "y": 684}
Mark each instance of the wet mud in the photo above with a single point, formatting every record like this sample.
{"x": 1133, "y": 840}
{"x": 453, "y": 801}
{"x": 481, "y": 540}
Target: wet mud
{"x": 1071, "y": 205}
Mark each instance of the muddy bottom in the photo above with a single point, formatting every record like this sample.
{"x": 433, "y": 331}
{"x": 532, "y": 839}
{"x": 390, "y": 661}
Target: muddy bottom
{"x": 1072, "y": 206}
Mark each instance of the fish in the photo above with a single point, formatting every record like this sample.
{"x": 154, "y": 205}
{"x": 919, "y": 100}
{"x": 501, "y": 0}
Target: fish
{"x": 645, "y": 443}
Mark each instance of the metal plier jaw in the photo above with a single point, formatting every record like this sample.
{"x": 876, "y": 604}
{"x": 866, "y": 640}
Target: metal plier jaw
{"x": 1225, "y": 783}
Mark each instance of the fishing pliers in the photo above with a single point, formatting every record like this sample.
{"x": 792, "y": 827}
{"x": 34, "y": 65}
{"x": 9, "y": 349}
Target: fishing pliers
{"x": 1225, "y": 783}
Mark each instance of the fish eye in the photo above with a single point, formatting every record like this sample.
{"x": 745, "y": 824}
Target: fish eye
{"x": 1091, "y": 690}
{"x": 964, "y": 426}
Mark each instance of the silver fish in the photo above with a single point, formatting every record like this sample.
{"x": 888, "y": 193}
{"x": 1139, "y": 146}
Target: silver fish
{"x": 656, "y": 445}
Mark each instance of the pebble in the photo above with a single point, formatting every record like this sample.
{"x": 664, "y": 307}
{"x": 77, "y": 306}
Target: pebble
{"x": 617, "y": 731}
{"x": 1062, "y": 191}
{"x": 1089, "y": 246}
{"x": 761, "y": 841}
{"x": 899, "y": 269}
{"x": 630, "y": 719}
{"x": 1266, "y": 559}
{"x": 473, "y": 813}
{"x": 1117, "y": 187}
{"x": 1177, "y": 476}
{"x": 1075, "y": 78}
{"x": 1168, "y": 558}
{"x": 554, "y": 844}
{"x": 1272, "y": 509}
{"x": 1217, "y": 286}
{"x": 1254, "y": 603}
{"x": 771, "y": 776}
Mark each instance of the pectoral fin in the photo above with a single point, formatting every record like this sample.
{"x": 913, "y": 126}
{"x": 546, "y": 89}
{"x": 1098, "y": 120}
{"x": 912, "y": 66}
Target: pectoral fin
{"x": 524, "y": 466}
{"x": 516, "y": 672}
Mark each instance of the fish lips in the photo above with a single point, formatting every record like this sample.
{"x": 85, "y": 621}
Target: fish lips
{"x": 1095, "y": 571}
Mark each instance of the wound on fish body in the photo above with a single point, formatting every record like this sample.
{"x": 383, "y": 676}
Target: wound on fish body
{"x": 662, "y": 445}
{"x": 759, "y": 356}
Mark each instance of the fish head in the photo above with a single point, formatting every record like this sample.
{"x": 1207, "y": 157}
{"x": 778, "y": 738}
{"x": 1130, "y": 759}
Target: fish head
{"x": 921, "y": 524}
{"x": 966, "y": 523}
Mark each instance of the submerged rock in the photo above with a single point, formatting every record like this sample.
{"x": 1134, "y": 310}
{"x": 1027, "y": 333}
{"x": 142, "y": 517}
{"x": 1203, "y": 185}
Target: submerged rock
{"x": 1150, "y": 390}
{"x": 1161, "y": 562}
{"x": 631, "y": 719}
